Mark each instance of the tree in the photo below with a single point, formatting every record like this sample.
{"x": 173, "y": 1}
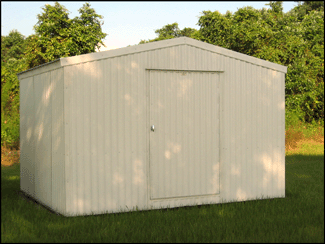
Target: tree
{"x": 55, "y": 36}
{"x": 216, "y": 29}
{"x": 12, "y": 62}
{"x": 12, "y": 46}
{"x": 87, "y": 31}
{"x": 58, "y": 36}
{"x": 311, "y": 5}
{"x": 276, "y": 6}
{"x": 304, "y": 7}
{"x": 170, "y": 31}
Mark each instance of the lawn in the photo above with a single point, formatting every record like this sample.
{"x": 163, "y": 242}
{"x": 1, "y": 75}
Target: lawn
{"x": 299, "y": 217}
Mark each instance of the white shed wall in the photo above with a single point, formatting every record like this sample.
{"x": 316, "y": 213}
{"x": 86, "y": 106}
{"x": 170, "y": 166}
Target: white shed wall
{"x": 107, "y": 124}
{"x": 41, "y": 137}
{"x": 253, "y": 123}
{"x": 27, "y": 139}
{"x": 106, "y": 135}
{"x": 57, "y": 142}
{"x": 92, "y": 156}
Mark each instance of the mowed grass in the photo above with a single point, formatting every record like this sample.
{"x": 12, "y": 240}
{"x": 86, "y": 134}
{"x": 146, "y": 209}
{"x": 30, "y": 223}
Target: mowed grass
{"x": 299, "y": 217}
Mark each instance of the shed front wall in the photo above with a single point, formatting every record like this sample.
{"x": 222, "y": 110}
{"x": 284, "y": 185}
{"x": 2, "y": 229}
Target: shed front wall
{"x": 106, "y": 136}
{"x": 107, "y": 126}
{"x": 106, "y": 104}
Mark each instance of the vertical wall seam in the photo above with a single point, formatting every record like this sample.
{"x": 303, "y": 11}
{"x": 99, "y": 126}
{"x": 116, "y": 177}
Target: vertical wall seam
{"x": 34, "y": 140}
{"x": 51, "y": 134}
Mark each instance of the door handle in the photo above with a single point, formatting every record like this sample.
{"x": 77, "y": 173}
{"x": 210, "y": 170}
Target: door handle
{"x": 153, "y": 128}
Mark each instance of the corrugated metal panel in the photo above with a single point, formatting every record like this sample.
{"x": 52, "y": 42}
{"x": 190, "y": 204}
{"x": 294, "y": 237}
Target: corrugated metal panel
{"x": 43, "y": 138}
{"x": 184, "y": 146}
{"x": 280, "y": 138}
{"x": 184, "y": 58}
{"x": 58, "y": 177}
{"x": 177, "y": 43}
{"x": 224, "y": 131}
{"x": 27, "y": 137}
{"x": 251, "y": 96}
{"x": 108, "y": 146}
{"x": 44, "y": 68}
{"x": 106, "y": 128}
{"x": 67, "y": 127}
{"x": 38, "y": 68}
{"x": 264, "y": 156}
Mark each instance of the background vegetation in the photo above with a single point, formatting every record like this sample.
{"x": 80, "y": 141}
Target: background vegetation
{"x": 294, "y": 39}
{"x": 55, "y": 36}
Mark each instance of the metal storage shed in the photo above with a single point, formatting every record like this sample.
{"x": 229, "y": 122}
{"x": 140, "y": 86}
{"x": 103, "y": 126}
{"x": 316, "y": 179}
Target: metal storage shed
{"x": 165, "y": 124}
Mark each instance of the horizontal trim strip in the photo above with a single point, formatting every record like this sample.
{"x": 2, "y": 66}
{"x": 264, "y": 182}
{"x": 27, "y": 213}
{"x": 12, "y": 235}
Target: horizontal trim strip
{"x": 38, "y": 66}
{"x": 184, "y": 70}
{"x": 185, "y": 197}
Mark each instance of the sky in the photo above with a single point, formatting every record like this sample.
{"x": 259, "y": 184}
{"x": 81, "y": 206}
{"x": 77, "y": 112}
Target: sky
{"x": 126, "y": 23}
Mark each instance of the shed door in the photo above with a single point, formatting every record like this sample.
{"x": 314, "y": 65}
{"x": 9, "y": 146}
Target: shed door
{"x": 184, "y": 143}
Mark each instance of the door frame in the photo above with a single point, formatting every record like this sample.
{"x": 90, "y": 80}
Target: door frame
{"x": 148, "y": 130}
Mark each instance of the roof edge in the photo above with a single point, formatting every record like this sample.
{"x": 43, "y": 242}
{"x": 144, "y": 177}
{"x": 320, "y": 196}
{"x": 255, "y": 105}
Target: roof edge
{"x": 38, "y": 66}
{"x": 122, "y": 51}
{"x": 168, "y": 43}
{"x": 163, "y": 44}
{"x": 236, "y": 55}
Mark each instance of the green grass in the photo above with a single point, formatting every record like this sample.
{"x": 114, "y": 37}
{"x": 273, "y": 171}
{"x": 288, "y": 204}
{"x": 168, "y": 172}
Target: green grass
{"x": 299, "y": 217}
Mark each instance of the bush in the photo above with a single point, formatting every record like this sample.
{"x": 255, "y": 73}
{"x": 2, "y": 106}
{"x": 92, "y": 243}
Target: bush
{"x": 10, "y": 102}
{"x": 10, "y": 131}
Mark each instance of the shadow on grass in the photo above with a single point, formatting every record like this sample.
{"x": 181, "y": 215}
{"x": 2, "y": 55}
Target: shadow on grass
{"x": 305, "y": 176}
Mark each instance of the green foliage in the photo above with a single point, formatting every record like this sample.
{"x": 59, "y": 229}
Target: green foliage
{"x": 58, "y": 36}
{"x": 10, "y": 101}
{"x": 170, "y": 31}
{"x": 216, "y": 29}
{"x": 12, "y": 62}
{"x": 276, "y": 6}
{"x": 12, "y": 46}
{"x": 304, "y": 7}
{"x": 86, "y": 31}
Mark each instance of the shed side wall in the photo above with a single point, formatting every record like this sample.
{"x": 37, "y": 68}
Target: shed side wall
{"x": 43, "y": 138}
{"x": 57, "y": 144}
{"x": 27, "y": 137}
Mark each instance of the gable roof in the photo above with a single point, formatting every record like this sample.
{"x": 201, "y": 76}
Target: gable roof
{"x": 163, "y": 44}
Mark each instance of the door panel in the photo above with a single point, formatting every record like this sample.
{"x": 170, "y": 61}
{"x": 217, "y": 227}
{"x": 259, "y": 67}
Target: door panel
{"x": 184, "y": 146}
